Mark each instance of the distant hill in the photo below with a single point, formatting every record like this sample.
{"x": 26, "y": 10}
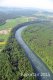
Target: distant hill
{"x": 9, "y": 13}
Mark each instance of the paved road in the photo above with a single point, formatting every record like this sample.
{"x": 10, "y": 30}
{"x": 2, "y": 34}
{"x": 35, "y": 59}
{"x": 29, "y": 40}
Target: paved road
{"x": 40, "y": 69}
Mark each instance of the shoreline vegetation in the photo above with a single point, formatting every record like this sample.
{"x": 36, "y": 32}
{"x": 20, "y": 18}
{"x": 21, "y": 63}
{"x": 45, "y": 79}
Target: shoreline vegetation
{"x": 13, "y": 61}
{"x": 39, "y": 37}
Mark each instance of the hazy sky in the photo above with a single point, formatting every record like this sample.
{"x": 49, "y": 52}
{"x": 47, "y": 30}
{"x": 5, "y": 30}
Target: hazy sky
{"x": 42, "y": 4}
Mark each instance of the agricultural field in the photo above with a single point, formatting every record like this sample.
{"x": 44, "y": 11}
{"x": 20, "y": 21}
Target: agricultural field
{"x": 39, "y": 37}
{"x": 7, "y": 27}
{"x": 10, "y": 23}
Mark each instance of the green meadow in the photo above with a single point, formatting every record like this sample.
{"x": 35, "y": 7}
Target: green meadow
{"x": 9, "y": 25}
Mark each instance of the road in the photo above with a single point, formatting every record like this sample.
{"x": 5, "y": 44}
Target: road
{"x": 41, "y": 70}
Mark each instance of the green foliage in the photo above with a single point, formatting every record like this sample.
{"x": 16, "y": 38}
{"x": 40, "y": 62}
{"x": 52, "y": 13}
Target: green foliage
{"x": 39, "y": 37}
{"x": 13, "y": 61}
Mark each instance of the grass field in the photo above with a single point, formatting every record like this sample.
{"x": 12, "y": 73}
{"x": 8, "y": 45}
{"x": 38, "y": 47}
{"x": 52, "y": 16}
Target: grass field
{"x": 39, "y": 37}
{"x": 10, "y": 23}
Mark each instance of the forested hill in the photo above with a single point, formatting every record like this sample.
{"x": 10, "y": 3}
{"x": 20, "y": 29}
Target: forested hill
{"x": 9, "y": 13}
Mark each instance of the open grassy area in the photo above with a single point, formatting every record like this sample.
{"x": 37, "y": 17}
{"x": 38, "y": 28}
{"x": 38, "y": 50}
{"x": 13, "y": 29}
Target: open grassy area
{"x": 10, "y": 23}
{"x": 39, "y": 37}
